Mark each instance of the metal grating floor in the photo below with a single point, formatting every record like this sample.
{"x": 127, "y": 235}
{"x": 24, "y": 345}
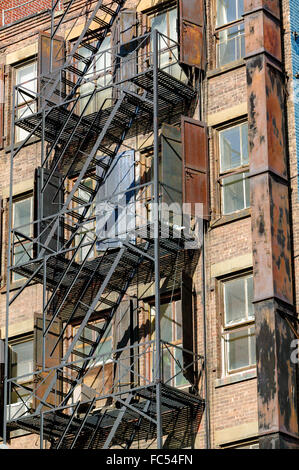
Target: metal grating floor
{"x": 181, "y": 417}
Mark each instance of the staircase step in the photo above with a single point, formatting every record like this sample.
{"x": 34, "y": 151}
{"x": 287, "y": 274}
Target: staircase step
{"x": 89, "y": 46}
{"x": 94, "y": 328}
{"x": 86, "y": 189}
{"x": 100, "y": 163}
{"x": 80, "y": 354}
{"x": 75, "y": 215}
{"x": 106, "y": 151}
{"x": 68, "y": 380}
{"x": 107, "y": 10}
{"x": 73, "y": 367}
{"x": 99, "y": 21}
{"x": 81, "y": 58}
{"x": 87, "y": 341}
{"x": 75, "y": 70}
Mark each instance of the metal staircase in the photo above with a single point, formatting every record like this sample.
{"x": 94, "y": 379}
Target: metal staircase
{"x": 77, "y": 146}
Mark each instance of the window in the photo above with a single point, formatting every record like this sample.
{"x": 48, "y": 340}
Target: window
{"x": 234, "y": 161}
{"x": 22, "y": 213}
{"x": 230, "y": 39}
{"x": 99, "y": 74}
{"x": 25, "y": 75}
{"x": 166, "y": 23}
{"x": 21, "y": 363}
{"x": 238, "y": 325}
{"x": 171, "y": 332}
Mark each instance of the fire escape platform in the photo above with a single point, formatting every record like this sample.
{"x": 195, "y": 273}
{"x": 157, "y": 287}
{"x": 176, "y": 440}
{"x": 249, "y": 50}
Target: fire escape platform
{"x": 181, "y": 416}
{"x": 174, "y": 100}
{"x": 173, "y": 258}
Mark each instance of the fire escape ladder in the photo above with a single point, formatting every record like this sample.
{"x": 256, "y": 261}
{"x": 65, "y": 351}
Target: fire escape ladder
{"x": 138, "y": 425}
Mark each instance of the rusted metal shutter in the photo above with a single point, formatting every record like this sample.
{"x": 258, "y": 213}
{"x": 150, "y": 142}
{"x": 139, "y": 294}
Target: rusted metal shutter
{"x": 187, "y": 327}
{"x": 45, "y": 74}
{"x": 1, "y": 106}
{"x": 191, "y": 33}
{"x": 47, "y": 203}
{"x": 171, "y": 143}
{"x": 52, "y": 359}
{"x": 195, "y": 165}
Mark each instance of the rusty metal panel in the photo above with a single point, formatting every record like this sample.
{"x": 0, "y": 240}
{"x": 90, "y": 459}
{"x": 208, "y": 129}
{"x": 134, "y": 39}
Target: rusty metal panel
{"x": 277, "y": 410}
{"x": 1, "y": 105}
{"x": 171, "y": 177}
{"x": 266, "y": 123}
{"x": 270, "y": 5}
{"x": 187, "y": 326}
{"x": 271, "y": 238}
{"x": 195, "y": 164}
{"x": 43, "y": 379}
{"x": 191, "y": 33}
{"x": 58, "y": 57}
{"x": 262, "y": 32}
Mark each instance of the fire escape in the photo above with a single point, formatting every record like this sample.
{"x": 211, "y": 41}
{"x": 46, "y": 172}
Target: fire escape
{"x": 81, "y": 135}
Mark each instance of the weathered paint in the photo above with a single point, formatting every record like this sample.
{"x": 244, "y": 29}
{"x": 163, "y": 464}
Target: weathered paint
{"x": 270, "y": 5}
{"x": 294, "y": 27}
{"x": 191, "y": 33}
{"x": 262, "y": 33}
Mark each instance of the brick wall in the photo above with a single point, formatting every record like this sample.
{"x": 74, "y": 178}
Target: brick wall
{"x": 14, "y": 10}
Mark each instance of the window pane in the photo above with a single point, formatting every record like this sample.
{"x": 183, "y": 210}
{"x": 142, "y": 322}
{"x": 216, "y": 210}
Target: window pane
{"x": 233, "y": 194}
{"x": 22, "y": 215}
{"x": 229, "y": 10}
{"x": 180, "y": 380}
{"x": 252, "y": 346}
{"x": 27, "y": 73}
{"x": 22, "y": 359}
{"x": 226, "y": 11}
{"x": 250, "y": 297}
{"x": 166, "y": 365}
{"x": 178, "y": 320}
{"x": 173, "y": 16}
{"x": 230, "y": 151}
{"x": 166, "y": 322}
{"x": 234, "y": 301}
{"x": 238, "y": 349}
{"x": 245, "y": 154}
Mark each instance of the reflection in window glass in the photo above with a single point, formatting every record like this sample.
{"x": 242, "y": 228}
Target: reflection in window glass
{"x": 228, "y": 11}
{"x": 22, "y": 359}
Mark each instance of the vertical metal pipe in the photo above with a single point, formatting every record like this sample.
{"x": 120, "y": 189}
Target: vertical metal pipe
{"x": 44, "y": 310}
{"x": 8, "y": 265}
{"x": 41, "y": 438}
{"x": 157, "y": 374}
{"x": 207, "y": 406}
{"x": 52, "y": 39}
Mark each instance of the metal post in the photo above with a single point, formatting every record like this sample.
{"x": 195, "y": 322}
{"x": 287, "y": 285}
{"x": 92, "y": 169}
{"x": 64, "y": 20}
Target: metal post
{"x": 52, "y": 39}
{"x": 8, "y": 265}
{"x": 157, "y": 374}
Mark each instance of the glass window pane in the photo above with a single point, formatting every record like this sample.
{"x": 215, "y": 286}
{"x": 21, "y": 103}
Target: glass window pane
{"x": 245, "y": 154}
{"x": 173, "y": 16}
{"x": 27, "y": 73}
{"x": 250, "y": 297}
{"x": 252, "y": 346}
{"x": 230, "y": 151}
{"x": 234, "y": 301}
{"x": 180, "y": 380}
{"x": 166, "y": 365}
{"x": 22, "y": 359}
{"x": 178, "y": 320}
{"x": 238, "y": 349}
{"x": 166, "y": 322}
{"x": 22, "y": 215}
{"x": 247, "y": 191}
{"x": 233, "y": 193}
{"x": 226, "y": 11}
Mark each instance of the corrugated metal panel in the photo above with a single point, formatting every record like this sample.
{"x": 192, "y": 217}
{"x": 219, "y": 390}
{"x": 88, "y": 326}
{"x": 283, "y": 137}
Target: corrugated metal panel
{"x": 115, "y": 217}
{"x": 191, "y": 33}
{"x": 195, "y": 164}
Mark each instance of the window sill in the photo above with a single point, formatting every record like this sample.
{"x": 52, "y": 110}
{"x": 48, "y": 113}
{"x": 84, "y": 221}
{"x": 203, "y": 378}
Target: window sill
{"x": 235, "y": 378}
{"x": 226, "y": 68}
{"x": 226, "y": 219}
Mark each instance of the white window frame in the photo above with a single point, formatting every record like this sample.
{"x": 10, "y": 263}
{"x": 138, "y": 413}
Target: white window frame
{"x": 235, "y": 327}
{"x": 30, "y": 105}
{"x": 16, "y": 244}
